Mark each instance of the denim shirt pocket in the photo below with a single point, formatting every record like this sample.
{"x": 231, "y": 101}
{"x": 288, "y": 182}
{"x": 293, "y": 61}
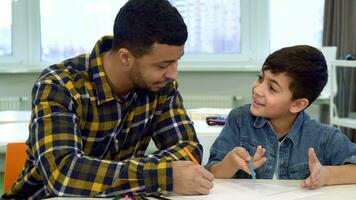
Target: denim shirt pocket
{"x": 299, "y": 171}
{"x": 250, "y": 145}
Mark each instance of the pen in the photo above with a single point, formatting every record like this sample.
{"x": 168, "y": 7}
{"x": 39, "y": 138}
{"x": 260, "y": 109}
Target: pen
{"x": 190, "y": 155}
{"x": 253, "y": 174}
{"x": 155, "y": 196}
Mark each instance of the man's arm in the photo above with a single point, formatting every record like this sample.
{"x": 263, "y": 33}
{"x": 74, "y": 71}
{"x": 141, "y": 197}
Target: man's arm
{"x": 172, "y": 132}
{"x": 57, "y": 149}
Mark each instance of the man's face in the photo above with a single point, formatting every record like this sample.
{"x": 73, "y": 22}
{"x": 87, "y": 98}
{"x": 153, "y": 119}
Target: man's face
{"x": 271, "y": 96}
{"x": 155, "y": 69}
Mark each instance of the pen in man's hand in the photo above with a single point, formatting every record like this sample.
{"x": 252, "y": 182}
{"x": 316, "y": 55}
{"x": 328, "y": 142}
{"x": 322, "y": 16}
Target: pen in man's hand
{"x": 190, "y": 155}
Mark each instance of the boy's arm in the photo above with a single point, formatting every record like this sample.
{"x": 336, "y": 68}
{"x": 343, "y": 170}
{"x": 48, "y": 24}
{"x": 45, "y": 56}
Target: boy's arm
{"x": 327, "y": 175}
{"x": 237, "y": 159}
{"x": 343, "y": 174}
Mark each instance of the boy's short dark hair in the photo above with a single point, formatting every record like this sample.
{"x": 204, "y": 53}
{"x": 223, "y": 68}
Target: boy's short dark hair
{"x": 140, "y": 23}
{"x": 305, "y": 65}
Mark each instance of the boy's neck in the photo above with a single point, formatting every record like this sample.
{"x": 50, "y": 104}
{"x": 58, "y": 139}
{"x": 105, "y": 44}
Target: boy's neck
{"x": 281, "y": 126}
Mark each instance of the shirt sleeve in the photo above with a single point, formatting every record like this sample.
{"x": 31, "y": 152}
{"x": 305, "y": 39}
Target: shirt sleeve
{"x": 339, "y": 149}
{"x": 228, "y": 139}
{"x": 56, "y": 148}
{"x": 172, "y": 131}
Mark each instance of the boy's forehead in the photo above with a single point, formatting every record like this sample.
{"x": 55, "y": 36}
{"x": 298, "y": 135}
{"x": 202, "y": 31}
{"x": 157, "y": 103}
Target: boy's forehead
{"x": 282, "y": 78}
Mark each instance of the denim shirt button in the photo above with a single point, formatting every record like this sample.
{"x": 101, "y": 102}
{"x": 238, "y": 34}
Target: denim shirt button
{"x": 269, "y": 166}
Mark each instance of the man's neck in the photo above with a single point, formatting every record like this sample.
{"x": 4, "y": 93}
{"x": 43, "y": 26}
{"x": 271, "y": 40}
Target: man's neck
{"x": 117, "y": 78}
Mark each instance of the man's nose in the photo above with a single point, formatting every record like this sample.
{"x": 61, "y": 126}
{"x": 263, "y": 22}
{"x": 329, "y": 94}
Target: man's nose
{"x": 172, "y": 71}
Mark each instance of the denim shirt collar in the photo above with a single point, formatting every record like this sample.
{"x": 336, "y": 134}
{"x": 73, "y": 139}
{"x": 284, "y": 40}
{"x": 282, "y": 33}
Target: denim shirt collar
{"x": 293, "y": 133}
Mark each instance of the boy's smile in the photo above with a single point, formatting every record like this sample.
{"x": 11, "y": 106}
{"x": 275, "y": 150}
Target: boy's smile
{"x": 271, "y": 96}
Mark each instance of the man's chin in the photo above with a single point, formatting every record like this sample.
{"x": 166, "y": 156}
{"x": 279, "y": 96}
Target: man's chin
{"x": 151, "y": 90}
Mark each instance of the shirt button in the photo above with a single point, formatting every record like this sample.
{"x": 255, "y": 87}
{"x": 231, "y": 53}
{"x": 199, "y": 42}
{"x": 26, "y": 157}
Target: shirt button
{"x": 269, "y": 167}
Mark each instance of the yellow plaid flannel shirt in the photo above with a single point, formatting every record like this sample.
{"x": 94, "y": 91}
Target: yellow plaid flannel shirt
{"x": 86, "y": 141}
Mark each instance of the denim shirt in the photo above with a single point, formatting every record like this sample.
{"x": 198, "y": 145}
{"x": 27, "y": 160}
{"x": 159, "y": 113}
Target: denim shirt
{"x": 245, "y": 130}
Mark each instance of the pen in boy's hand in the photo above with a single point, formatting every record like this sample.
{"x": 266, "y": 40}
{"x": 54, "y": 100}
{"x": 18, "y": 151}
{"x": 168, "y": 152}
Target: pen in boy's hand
{"x": 253, "y": 174}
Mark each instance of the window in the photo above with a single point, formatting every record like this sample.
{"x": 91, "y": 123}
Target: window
{"x": 5, "y": 28}
{"x": 223, "y": 35}
{"x": 67, "y": 31}
{"x": 207, "y": 36}
{"x": 296, "y": 22}
{"x": 86, "y": 21}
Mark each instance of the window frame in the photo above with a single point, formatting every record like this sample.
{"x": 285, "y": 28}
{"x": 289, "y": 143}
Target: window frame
{"x": 254, "y": 46}
{"x": 18, "y": 36}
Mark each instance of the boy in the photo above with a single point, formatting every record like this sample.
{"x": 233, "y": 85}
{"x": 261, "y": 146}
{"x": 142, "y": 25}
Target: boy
{"x": 283, "y": 140}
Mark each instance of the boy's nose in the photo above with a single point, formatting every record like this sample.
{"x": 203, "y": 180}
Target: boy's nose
{"x": 258, "y": 89}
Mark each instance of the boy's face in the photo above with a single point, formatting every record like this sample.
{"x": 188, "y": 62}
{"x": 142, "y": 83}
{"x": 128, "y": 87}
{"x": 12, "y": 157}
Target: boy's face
{"x": 155, "y": 69}
{"x": 271, "y": 96}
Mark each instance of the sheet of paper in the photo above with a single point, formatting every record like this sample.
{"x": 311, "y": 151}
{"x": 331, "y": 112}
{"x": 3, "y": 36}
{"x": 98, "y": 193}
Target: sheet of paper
{"x": 252, "y": 190}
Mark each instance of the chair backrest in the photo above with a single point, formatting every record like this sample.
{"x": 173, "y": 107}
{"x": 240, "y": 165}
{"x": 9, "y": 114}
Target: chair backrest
{"x": 14, "y": 163}
{"x": 330, "y": 56}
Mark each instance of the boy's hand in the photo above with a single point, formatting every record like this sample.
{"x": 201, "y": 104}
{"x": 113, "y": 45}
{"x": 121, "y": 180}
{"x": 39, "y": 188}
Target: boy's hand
{"x": 318, "y": 173}
{"x": 237, "y": 159}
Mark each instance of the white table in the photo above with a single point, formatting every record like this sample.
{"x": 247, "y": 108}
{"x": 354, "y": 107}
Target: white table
{"x": 206, "y": 135}
{"x": 15, "y": 116}
{"x": 270, "y": 189}
{"x": 9, "y": 133}
{"x": 13, "y": 132}
{"x": 18, "y": 132}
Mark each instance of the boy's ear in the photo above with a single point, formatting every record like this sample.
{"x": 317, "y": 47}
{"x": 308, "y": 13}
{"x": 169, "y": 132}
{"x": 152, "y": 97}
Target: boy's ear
{"x": 299, "y": 105}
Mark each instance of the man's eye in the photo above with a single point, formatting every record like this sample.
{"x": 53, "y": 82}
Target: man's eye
{"x": 272, "y": 89}
{"x": 163, "y": 65}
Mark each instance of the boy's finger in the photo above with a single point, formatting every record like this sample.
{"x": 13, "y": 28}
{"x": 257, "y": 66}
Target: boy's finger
{"x": 260, "y": 152}
{"x": 259, "y": 163}
{"x": 243, "y": 153}
{"x": 312, "y": 157}
{"x": 242, "y": 163}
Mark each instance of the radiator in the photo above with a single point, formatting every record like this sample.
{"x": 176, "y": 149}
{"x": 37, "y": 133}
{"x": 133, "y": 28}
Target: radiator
{"x": 216, "y": 101}
{"x": 14, "y": 103}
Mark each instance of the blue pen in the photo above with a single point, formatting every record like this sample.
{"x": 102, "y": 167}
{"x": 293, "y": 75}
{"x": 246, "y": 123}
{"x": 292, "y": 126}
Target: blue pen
{"x": 253, "y": 174}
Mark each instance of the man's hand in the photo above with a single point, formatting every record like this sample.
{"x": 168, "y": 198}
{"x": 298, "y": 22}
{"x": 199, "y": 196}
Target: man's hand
{"x": 237, "y": 159}
{"x": 318, "y": 173}
{"x": 189, "y": 178}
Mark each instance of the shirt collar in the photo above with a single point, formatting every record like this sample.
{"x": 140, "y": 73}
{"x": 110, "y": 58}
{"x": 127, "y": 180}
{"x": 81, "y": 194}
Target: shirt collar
{"x": 97, "y": 74}
{"x": 294, "y": 132}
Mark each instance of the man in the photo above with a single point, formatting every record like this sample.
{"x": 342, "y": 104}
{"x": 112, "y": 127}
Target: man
{"x": 93, "y": 116}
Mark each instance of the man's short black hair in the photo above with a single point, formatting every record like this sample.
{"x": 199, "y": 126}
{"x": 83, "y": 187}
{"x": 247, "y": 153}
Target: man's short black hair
{"x": 305, "y": 65}
{"x": 140, "y": 23}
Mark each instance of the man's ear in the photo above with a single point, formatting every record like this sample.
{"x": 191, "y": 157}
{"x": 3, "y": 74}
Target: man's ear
{"x": 299, "y": 105}
{"x": 126, "y": 58}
